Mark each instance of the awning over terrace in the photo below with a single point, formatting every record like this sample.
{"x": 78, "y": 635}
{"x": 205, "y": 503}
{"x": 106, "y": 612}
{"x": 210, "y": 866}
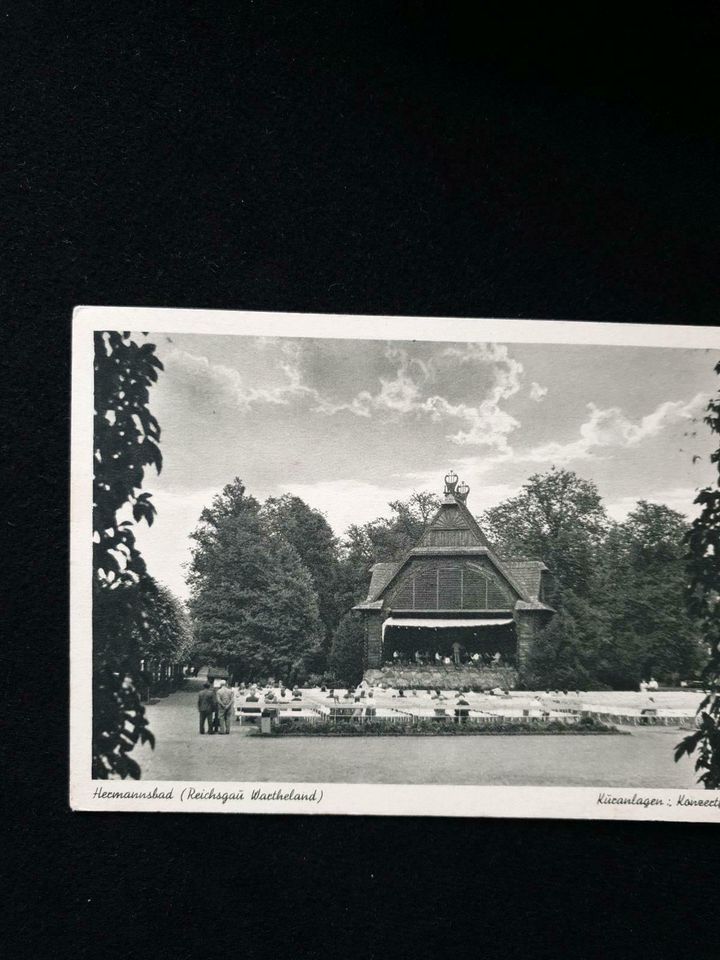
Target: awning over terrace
{"x": 435, "y": 624}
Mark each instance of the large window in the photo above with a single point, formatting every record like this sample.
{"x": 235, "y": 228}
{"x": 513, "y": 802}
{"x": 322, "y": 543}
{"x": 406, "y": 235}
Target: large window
{"x": 452, "y": 587}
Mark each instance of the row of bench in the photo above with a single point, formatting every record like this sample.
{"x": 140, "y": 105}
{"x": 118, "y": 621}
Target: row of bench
{"x": 361, "y": 714}
{"x": 640, "y": 719}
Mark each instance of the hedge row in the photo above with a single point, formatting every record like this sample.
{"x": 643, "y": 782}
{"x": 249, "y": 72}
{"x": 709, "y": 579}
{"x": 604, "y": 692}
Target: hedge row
{"x": 431, "y": 728}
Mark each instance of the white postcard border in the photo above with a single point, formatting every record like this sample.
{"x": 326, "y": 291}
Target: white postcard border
{"x": 611, "y": 803}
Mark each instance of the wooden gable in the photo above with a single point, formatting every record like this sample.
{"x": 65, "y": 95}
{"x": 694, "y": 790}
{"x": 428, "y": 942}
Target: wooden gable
{"x": 451, "y": 583}
{"x": 453, "y": 526}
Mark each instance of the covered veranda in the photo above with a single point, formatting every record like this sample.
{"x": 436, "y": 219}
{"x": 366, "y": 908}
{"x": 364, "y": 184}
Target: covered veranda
{"x": 428, "y": 640}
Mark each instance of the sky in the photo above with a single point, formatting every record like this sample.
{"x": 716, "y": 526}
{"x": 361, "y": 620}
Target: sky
{"x": 349, "y": 425}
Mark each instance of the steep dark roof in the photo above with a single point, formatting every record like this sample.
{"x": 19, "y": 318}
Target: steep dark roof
{"x": 391, "y": 570}
{"x": 382, "y": 574}
{"x": 533, "y": 605}
{"x": 527, "y": 573}
{"x": 454, "y": 531}
{"x": 369, "y": 605}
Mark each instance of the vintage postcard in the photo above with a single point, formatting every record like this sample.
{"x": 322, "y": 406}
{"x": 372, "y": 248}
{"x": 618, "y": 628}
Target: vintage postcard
{"x": 393, "y": 565}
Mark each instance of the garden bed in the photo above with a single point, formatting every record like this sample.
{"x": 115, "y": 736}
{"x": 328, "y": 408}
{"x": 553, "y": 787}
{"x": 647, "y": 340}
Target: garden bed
{"x": 433, "y": 728}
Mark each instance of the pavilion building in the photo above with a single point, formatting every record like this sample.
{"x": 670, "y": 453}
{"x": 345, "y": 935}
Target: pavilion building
{"x": 452, "y": 597}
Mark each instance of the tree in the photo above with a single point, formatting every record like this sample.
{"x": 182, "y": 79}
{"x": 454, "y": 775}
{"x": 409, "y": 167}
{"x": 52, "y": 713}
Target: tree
{"x": 126, "y": 440}
{"x": 287, "y": 631}
{"x": 650, "y": 632}
{"x": 169, "y": 634}
{"x": 252, "y": 602}
{"x": 557, "y": 517}
{"x": 565, "y": 654}
{"x": 311, "y": 535}
{"x": 346, "y": 654}
{"x": 703, "y": 598}
{"x": 226, "y": 571}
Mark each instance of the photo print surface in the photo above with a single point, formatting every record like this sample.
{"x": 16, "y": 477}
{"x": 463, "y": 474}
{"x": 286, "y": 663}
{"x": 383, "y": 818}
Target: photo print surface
{"x": 359, "y": 564}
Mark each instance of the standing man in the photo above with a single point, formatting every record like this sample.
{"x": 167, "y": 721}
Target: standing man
{"x": 456, "y": 653}
{"x": 207, "y": 703}
{"x": 225, "y": 703}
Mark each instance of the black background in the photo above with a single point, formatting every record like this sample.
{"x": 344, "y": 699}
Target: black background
{"x": 364, "y": 157}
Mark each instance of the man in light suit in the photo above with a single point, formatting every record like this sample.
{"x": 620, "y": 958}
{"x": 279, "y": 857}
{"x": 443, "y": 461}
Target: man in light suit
{"x": 226, "y": 702}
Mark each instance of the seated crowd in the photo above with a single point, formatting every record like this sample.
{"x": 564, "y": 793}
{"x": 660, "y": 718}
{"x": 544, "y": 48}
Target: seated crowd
{"x": 459, "y": 656}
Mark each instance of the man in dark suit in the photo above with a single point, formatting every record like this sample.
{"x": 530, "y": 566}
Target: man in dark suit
{"x": 207, "y": 705}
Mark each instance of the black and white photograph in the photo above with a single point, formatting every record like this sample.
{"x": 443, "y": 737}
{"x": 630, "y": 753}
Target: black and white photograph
{"x": 362, "y": 411}
{"x": 340, "y": 562}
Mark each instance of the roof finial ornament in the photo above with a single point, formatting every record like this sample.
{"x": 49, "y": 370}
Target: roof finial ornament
{"x": 451, "y": 480}
{"x": 462, "y": 492}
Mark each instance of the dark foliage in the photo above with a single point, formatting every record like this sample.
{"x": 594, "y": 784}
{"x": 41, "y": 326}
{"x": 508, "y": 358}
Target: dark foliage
{"x": 119, "y": 723}
{"x": 272, "y": 587}
{"x": 168, "y": 635}
{"x": 126, "y": 442}
{"x": 312, "y": 537}
{"x": 618, "y": 587}
{"x": 557, "y": 517}
{"x": 345, "y": 663}
{"x": 642, "y": 592}
{"x": 253, "y": 602}
{"x": 566, "y": 653}
{"x": 703, "y": 598}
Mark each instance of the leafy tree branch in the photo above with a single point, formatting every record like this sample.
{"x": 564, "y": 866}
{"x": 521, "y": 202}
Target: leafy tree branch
{"x": 703, "y": 598}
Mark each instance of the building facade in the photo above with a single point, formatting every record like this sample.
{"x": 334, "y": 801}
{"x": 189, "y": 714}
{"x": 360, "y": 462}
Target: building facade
{"x": 452, "y": 598}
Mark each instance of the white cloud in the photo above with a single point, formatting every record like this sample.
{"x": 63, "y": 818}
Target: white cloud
{"x": 611, "y": 428}
{"x": 484, "y": 425}
{"x": 229, "y": 385}
{"x": 537, "y": 393}
{"x": 481, "y": 424}
{"x": 399, "y": 394}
